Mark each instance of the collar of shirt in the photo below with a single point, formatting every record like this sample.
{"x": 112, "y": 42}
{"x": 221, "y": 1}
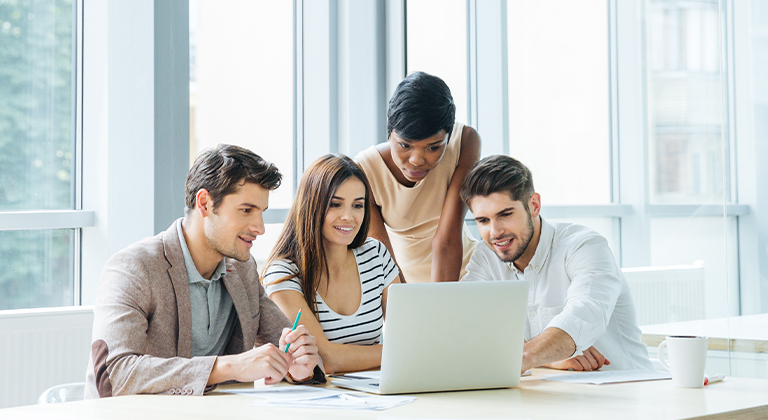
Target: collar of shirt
{"x": 193, "y": 276}
{"x": 542, "y": 249}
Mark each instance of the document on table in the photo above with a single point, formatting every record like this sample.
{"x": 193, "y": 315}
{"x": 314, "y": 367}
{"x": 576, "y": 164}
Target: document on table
{"x": 344, "y": 401}
{"x": 301, "y": 396}
{"x": 441, "y": 418}
{"x": 287, "y": 393}
{"x": 609, "y": 377}
{"x": 371, "y": 374}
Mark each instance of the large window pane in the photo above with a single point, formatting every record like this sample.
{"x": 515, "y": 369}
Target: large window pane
{"x": 694, "y": 293}
{"x": 36, "y": 149}
{"x": 754, "y": 274}
{"x": 558, "y": 97}
{"x": 36, "y": 142}
{"x": 36, "y": 268}
{"x": 241, "y": 86}
{"x": 437, "y": 44}
{"x": 684, "y": 101}
{"x": 699, "y": 241}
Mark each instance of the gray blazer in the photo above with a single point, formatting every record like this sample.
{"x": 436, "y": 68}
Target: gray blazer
{"x": 142, "y": 328}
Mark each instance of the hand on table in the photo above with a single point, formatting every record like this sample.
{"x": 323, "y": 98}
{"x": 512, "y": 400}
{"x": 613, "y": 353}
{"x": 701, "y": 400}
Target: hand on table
{"x": 591, "y": 359}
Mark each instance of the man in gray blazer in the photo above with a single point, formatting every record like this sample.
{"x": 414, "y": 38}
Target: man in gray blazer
{"x": 182, "y": 311}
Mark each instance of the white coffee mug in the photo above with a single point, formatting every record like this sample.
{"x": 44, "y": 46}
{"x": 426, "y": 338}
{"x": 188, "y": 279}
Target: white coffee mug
{"x": 687, "y": 359}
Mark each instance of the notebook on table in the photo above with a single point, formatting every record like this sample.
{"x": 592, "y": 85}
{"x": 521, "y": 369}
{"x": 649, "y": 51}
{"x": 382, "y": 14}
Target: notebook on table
{"x": 448, "y": 337}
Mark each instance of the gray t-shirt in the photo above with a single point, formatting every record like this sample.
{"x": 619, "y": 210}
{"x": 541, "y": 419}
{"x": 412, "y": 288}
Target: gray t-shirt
{"x": 213, "y": 314}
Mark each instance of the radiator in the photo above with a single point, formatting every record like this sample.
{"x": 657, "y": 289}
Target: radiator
{"x": 667, "y": 294}
{"x": 40, "y": 348}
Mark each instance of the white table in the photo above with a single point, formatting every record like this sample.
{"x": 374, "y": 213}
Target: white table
{"x": 535, "y": 398}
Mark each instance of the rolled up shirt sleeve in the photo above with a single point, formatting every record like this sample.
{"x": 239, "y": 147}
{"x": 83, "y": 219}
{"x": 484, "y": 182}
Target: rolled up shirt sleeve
{"x": 592, "y": 295}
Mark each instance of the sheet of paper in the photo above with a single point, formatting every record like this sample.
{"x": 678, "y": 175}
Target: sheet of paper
{"x": 371, "y": 374}
{"x": 287, "y": 393}
{"x": 301, "y": 396}
{"x": 343, "y": 401}
{"x": 609, "y": 377}
{"x": 444, "y": 418}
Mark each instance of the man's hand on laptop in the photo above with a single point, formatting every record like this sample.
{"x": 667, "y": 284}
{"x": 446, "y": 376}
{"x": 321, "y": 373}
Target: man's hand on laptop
{"x": 591, "y": 359}
{"x": 303, "y": 352}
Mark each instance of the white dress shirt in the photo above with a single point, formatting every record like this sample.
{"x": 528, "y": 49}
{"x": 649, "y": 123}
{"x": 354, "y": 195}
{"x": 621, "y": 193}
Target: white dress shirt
{"x": 575, "y": 285}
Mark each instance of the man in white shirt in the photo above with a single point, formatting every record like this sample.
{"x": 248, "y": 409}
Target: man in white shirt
{"x": 580, "y": 312}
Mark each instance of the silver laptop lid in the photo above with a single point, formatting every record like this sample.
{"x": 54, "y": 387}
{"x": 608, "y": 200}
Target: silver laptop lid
{"x": 453, "y": 336}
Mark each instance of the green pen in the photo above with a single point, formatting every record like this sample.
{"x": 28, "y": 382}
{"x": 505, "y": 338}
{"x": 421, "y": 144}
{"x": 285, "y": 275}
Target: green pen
{"x": 295, "y": 324}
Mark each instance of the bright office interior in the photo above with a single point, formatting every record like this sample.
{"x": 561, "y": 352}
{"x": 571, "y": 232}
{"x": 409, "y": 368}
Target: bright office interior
{"x": 646, "y": 120}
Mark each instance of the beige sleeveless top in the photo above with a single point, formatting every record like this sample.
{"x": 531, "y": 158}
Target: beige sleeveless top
{"x": 411, "y": 214}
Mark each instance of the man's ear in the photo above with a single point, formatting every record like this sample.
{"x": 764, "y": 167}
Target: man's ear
{"x": 203, "y": 202}
{"x": 534, "y": 203}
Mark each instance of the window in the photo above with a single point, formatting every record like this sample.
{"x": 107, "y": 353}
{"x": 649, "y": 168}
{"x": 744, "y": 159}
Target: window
{"x": 241, "y": 81}
{"x": 37, "y": 153}
{"x": 559, "y": 99}
{"x": 687, "y": 147}
{"x": 558, "y": 71}
{"x": 685, "y": 114}
{"x": 436, "y": 37}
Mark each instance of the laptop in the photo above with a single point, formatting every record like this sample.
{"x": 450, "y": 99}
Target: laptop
{"x": 449, "y": 337}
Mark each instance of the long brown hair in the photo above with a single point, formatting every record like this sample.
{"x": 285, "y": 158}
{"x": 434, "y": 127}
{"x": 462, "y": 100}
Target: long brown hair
{"x": 301, "y": 240}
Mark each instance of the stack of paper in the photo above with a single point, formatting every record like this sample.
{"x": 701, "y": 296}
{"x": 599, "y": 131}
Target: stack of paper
{"x": 300, "y": 396}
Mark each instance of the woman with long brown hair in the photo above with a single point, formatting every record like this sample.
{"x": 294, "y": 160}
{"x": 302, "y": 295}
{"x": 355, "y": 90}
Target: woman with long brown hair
{"x": 325, "y": 264}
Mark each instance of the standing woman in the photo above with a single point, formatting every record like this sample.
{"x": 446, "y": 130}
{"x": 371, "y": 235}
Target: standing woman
{"x": 415, "y": 179}
{"x": 325, "y": 264}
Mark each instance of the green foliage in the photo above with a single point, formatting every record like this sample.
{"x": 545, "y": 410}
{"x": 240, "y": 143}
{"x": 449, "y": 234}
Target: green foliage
{"x": 36, "y": 147}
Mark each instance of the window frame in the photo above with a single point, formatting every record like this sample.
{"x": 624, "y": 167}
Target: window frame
{"x": 75, "y": 218}
{"x": 105, "y": 223}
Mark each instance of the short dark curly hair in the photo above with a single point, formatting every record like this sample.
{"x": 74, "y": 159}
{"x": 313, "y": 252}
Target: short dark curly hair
{"x": 421, "y": 106}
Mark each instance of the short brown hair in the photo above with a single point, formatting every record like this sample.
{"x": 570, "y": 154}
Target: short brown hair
{"x": 224, "y": 168}
{"x": 495, "y": 174}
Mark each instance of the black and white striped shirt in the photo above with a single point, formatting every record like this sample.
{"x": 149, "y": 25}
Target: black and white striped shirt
{"x": 377, "y": 270}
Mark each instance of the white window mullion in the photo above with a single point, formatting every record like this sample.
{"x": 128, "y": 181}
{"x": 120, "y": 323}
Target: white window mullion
{"x": 487, "y": 74}
{"x": 135, "y": 125}
{"x": 77, "y": 253}
{"x": 613, "y": 121}
{"x": 633, "y": 151}
{"x": 395, "y": 40}
{"x": 750, "y": 157}
{"x": 362, "y": 74}
{"x": 46, "y": 219}
{"x": 319, "y": 80}
{"x": 298, "y": 93}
